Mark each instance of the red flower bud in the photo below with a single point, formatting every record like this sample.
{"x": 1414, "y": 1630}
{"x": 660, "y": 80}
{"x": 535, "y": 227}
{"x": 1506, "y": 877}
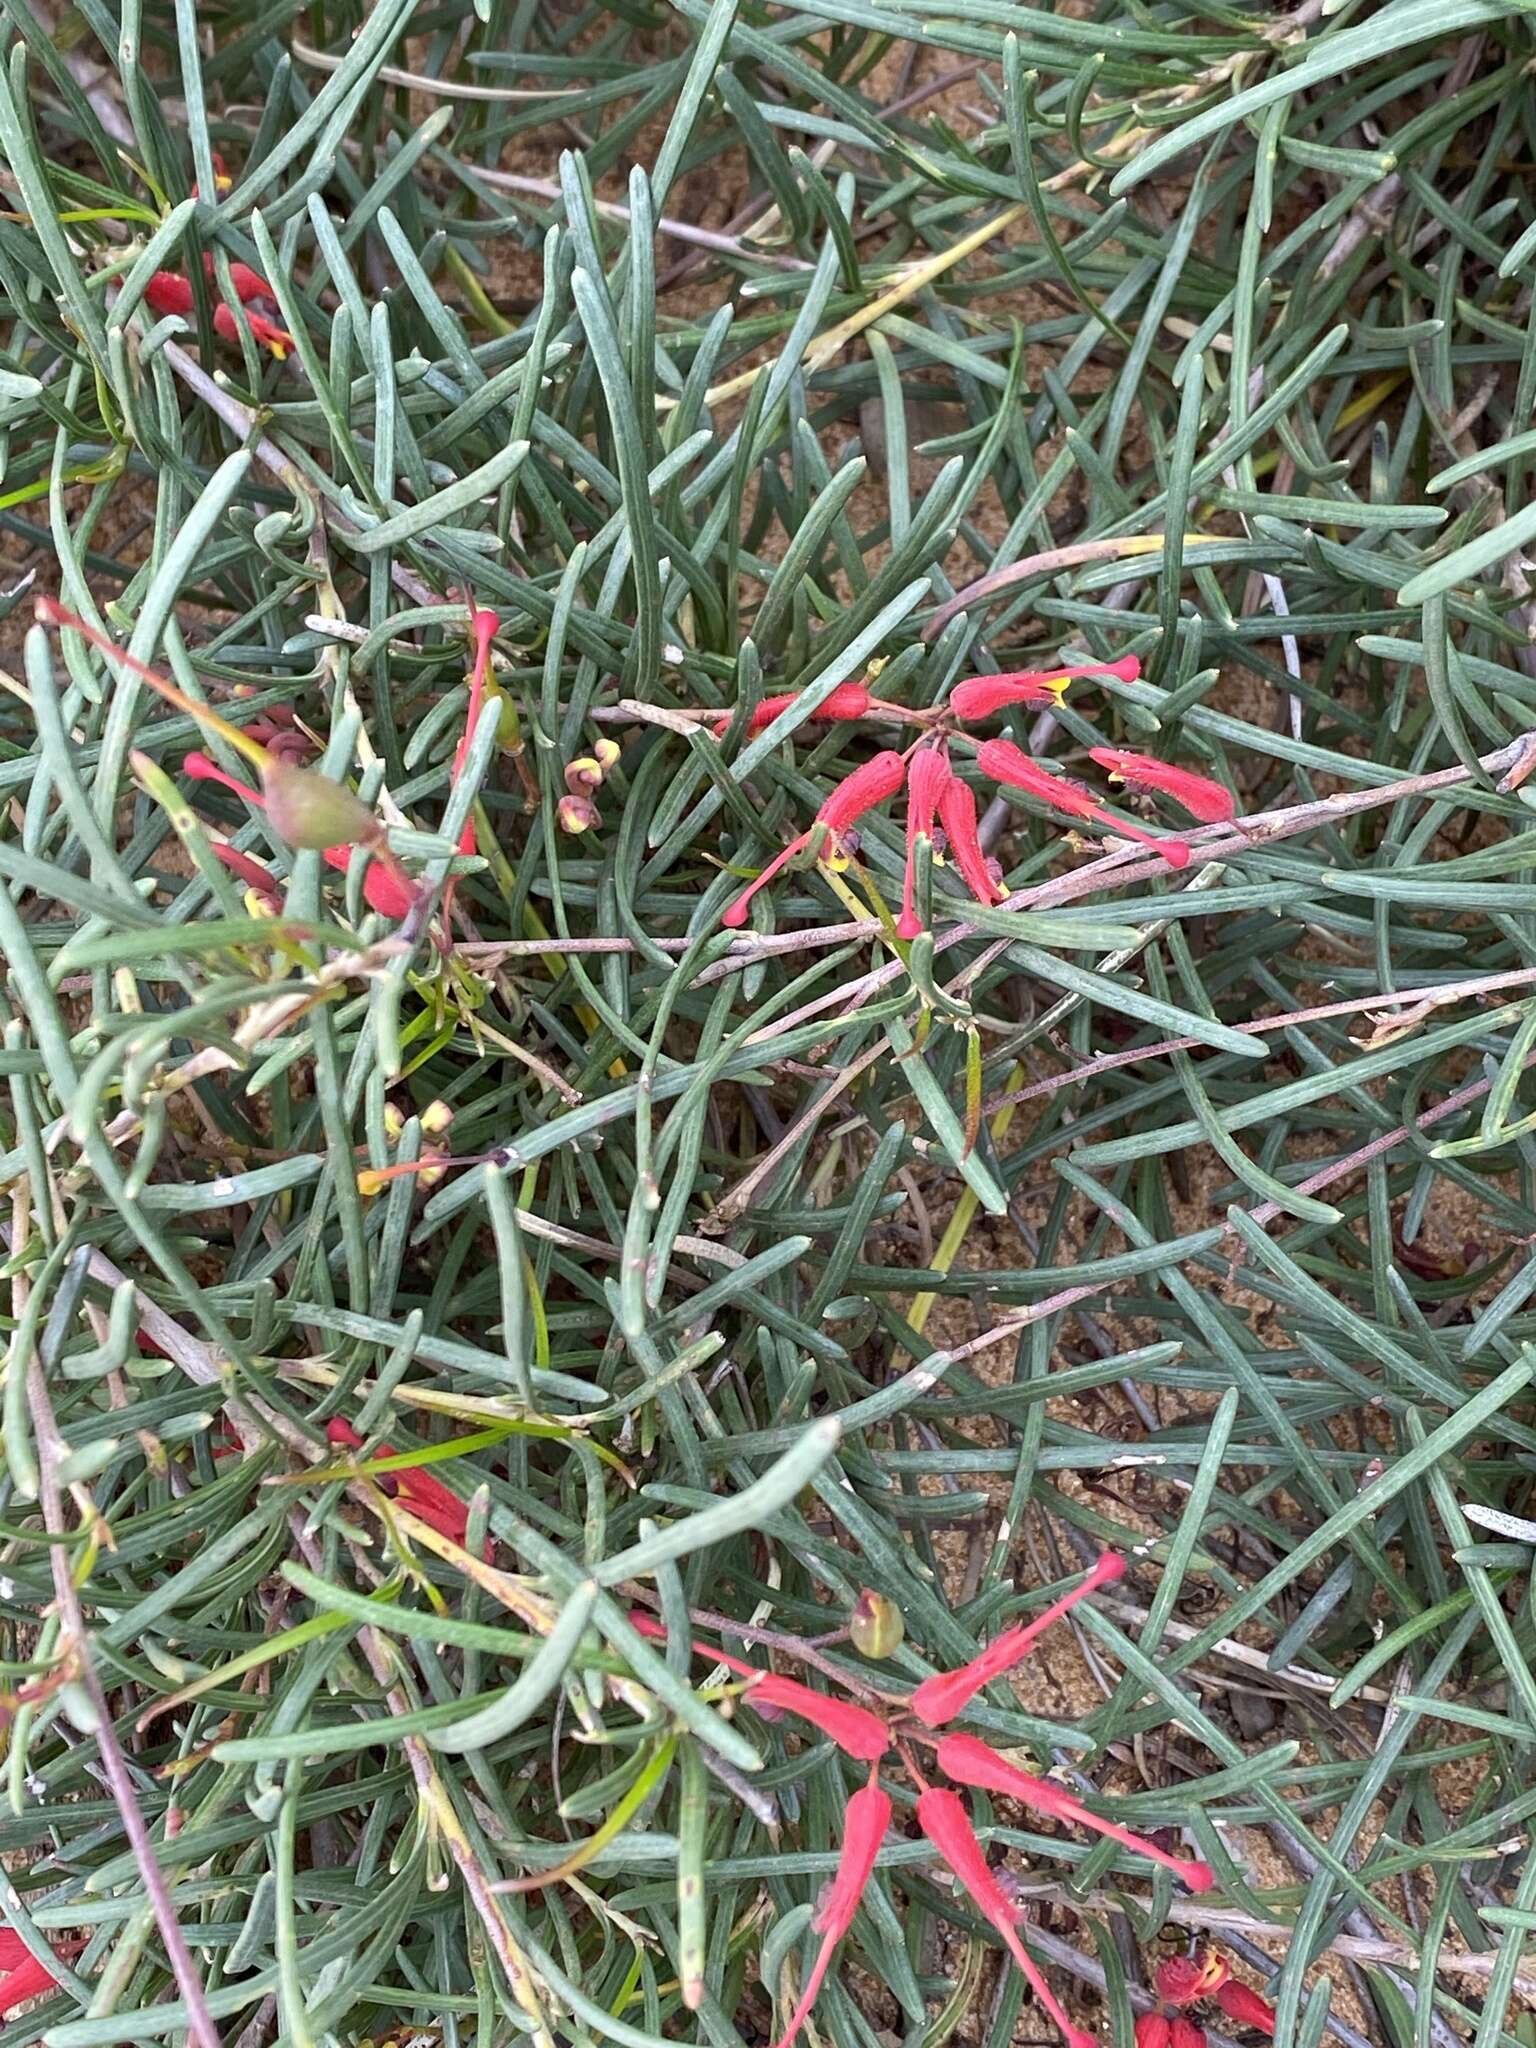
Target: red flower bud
{"x": 1183, "y": 2033}
{"x": 847, "y": 701}
{"x": 849, "y": 800}
{"x": 169, "y": 292}
{"x": 385, "y": 891}
{"x": 970, "y": 1762}
{"x": 957, "y": 814}
{"x": 943, "y": 1819}
{"x": 1245, "y": 2006}
{"x": 1200, "y": 796}
{"x": 983, "y": 696}
{"x": 250, "y": 871}
{"x": 575, "y": 814}
{"x": 940, "y": 1698}
{"x": 927, "y": 778}
{"x": 865, "y": 1820}
{"x": 1152, "y": 2031}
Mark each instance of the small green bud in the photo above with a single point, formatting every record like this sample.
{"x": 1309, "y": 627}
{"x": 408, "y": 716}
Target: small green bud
{"x": 876, "y": 1625}
{"x": 309, "y": 810}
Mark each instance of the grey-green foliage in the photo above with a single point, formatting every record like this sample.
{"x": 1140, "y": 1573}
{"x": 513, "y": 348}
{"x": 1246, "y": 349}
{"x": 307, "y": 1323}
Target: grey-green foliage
{"x": 1237, "y": 375}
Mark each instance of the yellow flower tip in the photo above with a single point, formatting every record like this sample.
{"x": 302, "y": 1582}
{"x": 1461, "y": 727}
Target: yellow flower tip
{"x": 258, "y": 905}
{"x": 436, "y": 1118}
{"x": 371, "y": 1180}
{"x": 394, "y": 1122}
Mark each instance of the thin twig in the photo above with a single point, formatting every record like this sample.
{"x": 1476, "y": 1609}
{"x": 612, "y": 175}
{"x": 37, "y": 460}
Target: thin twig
{"x": 51, "y": 1452}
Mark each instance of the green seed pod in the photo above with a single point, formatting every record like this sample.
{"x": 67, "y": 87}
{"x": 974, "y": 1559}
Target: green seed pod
{"x": 876, "y": 1625}
{"x": 309, "y": 810}
{"x": 508, "y": 731}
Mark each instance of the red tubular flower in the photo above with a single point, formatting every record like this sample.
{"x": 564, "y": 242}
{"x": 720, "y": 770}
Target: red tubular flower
{"x": 1004, "y": 762}
{"x": 943, "y": 1819}
{"x": 1183, "y": 2033}
{"x": 22, "y": 1976}
{"x": 250, "y": 871}
{"x": 847, "y": 701}
{"x": 1152, "y": 2031}
{"x": 865, "y": 1820}
{"x": 1185, "y": 1980}
{"x": 857, "y": 793}
{"x": 927, "y": 779}
{"x": 856, "y": 1730}
{"x": 970, "y": 1762}
{"x": 957, "y": 814}
{"x": 416, "y": 1488}
{"x": 383, "y": 890}
{"x": 27, "y": 1981}
{"x": 940, "y": 1698}
{"x": 984, "y": 696}
{"x": 1200, "y": 796}
{"x": 1245, "y": 2006}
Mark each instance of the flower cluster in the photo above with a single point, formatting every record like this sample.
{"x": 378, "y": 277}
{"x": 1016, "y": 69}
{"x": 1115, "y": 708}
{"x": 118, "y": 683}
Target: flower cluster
{"x": 305, "y": 808}
{"x": 938, "y": 797}
{"x": 868, "y": 1736}
{"x": 168, "y": 291}
{"x": 1183, "y": 1981}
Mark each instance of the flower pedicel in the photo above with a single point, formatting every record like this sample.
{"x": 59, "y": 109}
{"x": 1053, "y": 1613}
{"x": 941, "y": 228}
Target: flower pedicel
{"x": 861, "y": 1732}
